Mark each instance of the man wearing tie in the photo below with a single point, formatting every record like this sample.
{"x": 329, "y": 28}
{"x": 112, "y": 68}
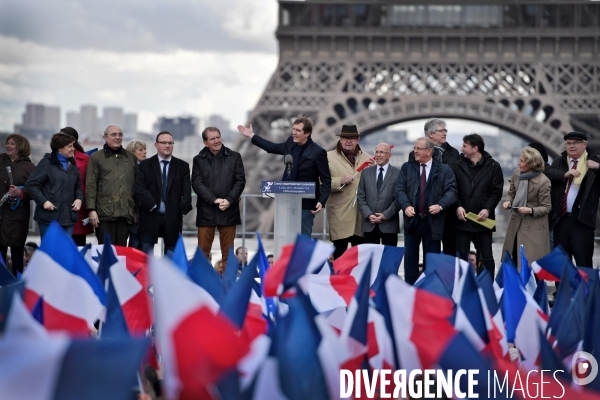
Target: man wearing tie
{"x": 164, "y": 192}
{"x": 424, "y": 189}
{"x": 375, "y": 199}
{"x": 575, "y": 193}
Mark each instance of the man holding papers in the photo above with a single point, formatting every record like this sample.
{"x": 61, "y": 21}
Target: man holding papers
{"x": 479, "y": 182}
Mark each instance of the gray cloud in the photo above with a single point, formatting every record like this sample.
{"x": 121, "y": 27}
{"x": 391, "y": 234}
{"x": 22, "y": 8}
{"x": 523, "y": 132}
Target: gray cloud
{"x": 139, "y": 26}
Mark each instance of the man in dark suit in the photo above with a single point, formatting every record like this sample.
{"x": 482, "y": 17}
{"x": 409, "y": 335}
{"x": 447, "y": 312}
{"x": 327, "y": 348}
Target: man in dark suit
{"x": 575, "y": 194}
{"x": 436, "y": 130}
{"x": 375, "y": 199}
{"x": 309, "y": 165}
{"x": 424, "y": 190}
{"x": 164, "y": 192}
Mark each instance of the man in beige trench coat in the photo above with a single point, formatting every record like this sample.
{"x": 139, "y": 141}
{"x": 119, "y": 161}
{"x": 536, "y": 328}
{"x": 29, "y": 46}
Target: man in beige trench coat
{"x": 342, "y": 210}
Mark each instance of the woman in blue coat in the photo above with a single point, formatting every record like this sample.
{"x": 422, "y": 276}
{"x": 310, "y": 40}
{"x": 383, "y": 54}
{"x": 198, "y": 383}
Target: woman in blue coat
{"x": 54, "y": 186}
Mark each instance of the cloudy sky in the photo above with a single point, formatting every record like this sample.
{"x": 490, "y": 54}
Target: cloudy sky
{"x": 198, "y": 57}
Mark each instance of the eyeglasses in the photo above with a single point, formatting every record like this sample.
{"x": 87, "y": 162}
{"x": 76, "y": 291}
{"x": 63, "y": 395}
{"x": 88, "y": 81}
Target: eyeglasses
{"x": 442, "y": 130}
{"x": 420, "y": 148}
{"x": 573, "y": 144}
{"x": 115, "y": 134}
{"x": 349, "y": 138}
{"x": 382, "y": 152}
{"x": 166, "y": 143}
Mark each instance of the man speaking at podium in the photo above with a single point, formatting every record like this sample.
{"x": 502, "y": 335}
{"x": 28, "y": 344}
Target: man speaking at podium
{"x": 308, "y": 162}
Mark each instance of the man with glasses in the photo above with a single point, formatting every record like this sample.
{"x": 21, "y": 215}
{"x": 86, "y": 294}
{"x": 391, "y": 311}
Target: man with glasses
{"x": 479, "y": 182}
{"x": 164, "y": 192}
{"x": 424, "y": 190}
{"x": 375, "y": 199}
{"x": 218, "y": 179}
{"x": 575, "y": 192}
{"x": 110, "y": 188}
{"x": 342, "y": 212}
{"x": 436, "y": 130}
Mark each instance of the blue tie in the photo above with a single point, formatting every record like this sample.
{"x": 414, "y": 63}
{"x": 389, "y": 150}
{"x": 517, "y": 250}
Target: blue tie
{"x": 164, "y": 181}
{"x": 379, "y": 179}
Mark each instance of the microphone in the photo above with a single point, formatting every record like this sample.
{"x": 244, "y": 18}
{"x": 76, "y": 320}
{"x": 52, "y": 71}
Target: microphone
{"x": 288, "y": 160}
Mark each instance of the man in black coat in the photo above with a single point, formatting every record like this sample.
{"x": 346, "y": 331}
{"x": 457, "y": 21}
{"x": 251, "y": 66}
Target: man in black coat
{"x": 575, "y": 193}
{"x": 309, "y": 165}
{"x": 163, "y": 190}
{"x": 424, "y": 190}
{"x": 480, "y": 183}
{"x": 435, "y": 129}
{"x": 218, "y": 179}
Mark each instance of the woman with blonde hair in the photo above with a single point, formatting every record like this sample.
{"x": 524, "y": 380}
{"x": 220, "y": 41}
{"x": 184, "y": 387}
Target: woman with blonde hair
{"x": 529, "y": 199}
{"x": 138, "y": 148}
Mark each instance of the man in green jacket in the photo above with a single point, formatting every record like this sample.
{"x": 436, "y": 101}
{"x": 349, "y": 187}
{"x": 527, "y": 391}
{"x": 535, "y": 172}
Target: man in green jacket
{"x": 110, "y": 188}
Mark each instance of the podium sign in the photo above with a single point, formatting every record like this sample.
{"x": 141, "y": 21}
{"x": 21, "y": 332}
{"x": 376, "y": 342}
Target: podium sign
{"x": 305, "y": 189}
{"x": 288, "y": 197}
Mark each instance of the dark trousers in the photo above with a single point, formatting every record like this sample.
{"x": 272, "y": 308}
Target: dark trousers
{"x": 147, "y": 243}
{"x": 118, "y": 231}
{"x": 79, "y": 239}
{"x": 341, "y": 245}
{"x": 378, "y": 237}
{"x": 421, "y": 233}
{"x": 449, "y": 240}
{"x": 483, "y": 244}
{"x": 576, "y": 239}
{"x": 16, "y": 257}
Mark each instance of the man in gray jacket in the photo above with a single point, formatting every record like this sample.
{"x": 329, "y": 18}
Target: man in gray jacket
{"x": 375, "y": 199}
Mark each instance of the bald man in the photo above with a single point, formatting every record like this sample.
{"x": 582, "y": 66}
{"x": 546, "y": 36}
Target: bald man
{"x": 375, "y": 199}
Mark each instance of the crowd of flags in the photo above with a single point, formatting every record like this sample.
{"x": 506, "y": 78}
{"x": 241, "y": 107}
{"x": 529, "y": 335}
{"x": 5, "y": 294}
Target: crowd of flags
{"x": 283, "y": 332}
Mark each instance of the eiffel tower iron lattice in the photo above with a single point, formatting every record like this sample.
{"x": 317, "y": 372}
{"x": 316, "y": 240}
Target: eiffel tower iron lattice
{"x": 529, "y": 67}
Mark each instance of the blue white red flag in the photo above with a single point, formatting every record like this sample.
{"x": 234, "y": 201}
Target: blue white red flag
{"x": 73, "y": 295}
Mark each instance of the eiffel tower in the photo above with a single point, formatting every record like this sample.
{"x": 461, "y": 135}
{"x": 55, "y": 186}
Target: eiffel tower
{"x": 529, "y": 67}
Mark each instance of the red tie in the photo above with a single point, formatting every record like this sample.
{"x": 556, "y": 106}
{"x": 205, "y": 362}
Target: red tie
{"x": 564, "y": 202}
{"x": 422, "y": 210}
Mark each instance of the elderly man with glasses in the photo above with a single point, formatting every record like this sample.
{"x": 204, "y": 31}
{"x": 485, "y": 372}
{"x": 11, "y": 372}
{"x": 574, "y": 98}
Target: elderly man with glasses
{"x": 436, "y": 130}
{"x": 424, "y": 190}
{"x": 575, "y": 193}
{"x": 110, "y": 188}
{"x": 342, "y": 211}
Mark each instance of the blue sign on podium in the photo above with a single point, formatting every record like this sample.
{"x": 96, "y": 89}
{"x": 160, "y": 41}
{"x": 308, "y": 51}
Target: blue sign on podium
{"x": 288, "y": 187}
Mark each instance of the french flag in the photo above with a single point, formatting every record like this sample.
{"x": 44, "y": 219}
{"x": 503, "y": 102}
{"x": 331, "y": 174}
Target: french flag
{"x": 132, "y": 298}
{"x": 328, "y": 292}
{"x": 36, "y": 365}
{"x": 550, "y": 267}
{"x": 73, "y": 296}
{"x": 304, "y": 257}
{"x": 198, "y": 346}
{"x": 385, "y": 260}
{"x": 420, "y": 322}
{"x": 524, "y": 318}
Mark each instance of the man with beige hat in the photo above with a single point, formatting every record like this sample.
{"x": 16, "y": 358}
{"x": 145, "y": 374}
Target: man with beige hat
{"x": 342, "y": 212}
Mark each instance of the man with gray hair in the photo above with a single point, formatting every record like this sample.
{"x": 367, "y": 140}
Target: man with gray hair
{"x": 424, "y": 190}
{"x": 435, "y": 129}
{"x": 110, "y": 188}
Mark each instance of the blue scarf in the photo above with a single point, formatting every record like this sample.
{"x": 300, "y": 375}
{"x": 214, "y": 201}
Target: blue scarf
{"x": 63, "y": 160}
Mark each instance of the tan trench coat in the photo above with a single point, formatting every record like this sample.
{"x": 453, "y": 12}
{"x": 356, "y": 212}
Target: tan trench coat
{"x": 530, "y": 231}
{"x": 342, "y": 210}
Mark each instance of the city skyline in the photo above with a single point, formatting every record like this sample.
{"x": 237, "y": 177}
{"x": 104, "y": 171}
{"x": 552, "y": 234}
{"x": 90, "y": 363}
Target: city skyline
{"x": 174, "y": 58}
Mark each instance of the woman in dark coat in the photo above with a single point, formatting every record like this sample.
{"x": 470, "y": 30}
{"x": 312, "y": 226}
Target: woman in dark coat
{"x": 80, "y": 231}
{"x": 15, "y": 209}
{"x": 54, "y": 186}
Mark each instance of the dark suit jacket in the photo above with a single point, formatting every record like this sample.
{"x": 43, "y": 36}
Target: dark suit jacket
{"x": 312, "y": 167}
{"x": 370, "y": 201}
{"x": 442, "y": 191}
{"x": 148, "y": 191}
